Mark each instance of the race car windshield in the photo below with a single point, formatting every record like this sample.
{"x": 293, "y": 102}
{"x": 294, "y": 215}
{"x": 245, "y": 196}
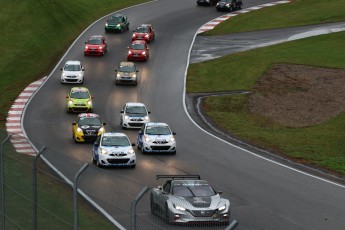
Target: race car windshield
{"x": 142, "y": 30}
{"x": 95, "y": 41}
{"x": 115, "y": 19}
{"x": 80, "y": 95}
{"x": 136, "y": 110}
{"x": 90, "y": 121}
{"x": 127, "y": 68}
{"x": 72, "y": 68}
{"x": 193, "y": 191}
{"x": 115, "y": 141}
{"x": 138, "y": 46}
{"x": 158, "y": 130}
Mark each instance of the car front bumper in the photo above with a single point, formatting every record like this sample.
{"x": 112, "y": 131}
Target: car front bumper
{"x": 111, "y": 160}
{"x": 159, "y": 148}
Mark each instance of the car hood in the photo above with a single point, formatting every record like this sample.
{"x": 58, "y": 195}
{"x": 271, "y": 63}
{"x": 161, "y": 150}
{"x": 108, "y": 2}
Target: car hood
{"x": 93, "y": 46}
{"x": 75, "y": 100}
{"x": 72, "y": 73}
{"x": 212, "y": 202}
{"x": 90, "y": 127}
{"x": 117, "y": 150}
{"x": 126, "y": 74}
{"x": 160, "y": 138}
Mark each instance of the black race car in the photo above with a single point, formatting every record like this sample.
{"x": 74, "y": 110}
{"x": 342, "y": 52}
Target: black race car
{"x": 188, "y": 199}
{"x": 229, "y": 5}
{"x": 206, "y": 2}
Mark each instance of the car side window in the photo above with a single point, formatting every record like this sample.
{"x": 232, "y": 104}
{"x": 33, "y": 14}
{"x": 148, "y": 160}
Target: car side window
{"x": 166, "y": 187}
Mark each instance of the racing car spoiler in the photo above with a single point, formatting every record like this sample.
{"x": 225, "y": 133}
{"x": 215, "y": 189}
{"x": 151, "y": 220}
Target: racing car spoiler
{"x": 178, "y": 177}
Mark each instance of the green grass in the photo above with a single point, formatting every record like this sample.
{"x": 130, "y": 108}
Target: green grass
{"x": 321, "y": 145}
{"x": 35, "y": 35}
{"x": 295, "y": 13}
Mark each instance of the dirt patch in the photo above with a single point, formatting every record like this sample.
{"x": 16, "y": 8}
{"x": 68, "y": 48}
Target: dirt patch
{"x": 299, "y": 95}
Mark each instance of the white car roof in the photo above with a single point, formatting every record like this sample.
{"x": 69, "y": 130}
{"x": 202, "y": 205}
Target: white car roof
{"x": 73, "y": 62}
{"x": 113, "y": 134}
{"x": 135, "y": 104}
{"x": 156, "y": 124}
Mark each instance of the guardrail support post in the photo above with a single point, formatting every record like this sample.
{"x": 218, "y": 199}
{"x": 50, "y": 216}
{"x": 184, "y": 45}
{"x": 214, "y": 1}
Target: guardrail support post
{"x": 34, "y": 188}
{"x": 134, "y": 206}
{"x": 3, "y": 209}
{"x": 75, "y": 195}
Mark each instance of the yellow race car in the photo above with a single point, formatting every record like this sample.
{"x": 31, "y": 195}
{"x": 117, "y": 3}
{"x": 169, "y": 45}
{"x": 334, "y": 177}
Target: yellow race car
{"x": 87, "y": 127}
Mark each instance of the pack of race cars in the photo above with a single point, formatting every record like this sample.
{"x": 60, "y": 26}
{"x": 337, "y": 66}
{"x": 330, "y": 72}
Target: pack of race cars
{"x": 115, "y": 148}
{"x": 181, "y": 199}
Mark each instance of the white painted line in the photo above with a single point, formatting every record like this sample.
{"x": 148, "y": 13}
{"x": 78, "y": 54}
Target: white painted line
{"x": 18, "y": 106}
{"x": 15, "y": 112}
{"x": 13, "y": 118}
{"x": 22, "y": 145}
{"x": 21, "y": 100}
{"x": 26, "y": 94}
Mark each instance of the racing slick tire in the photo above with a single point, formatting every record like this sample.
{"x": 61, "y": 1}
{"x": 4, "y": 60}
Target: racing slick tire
{"x": 166, "y": 214}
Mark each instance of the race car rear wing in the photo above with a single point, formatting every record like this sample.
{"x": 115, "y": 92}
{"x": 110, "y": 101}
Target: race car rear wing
{"x": 173, "y": 177}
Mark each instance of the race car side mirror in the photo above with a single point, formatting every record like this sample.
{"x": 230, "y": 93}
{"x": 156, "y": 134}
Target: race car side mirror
{"x": 160, "y": 187}
{"x": 104, "y": 123}
{"x": 149, "y": 112}
{"x": 74, "y": 123}
{"x": 220, "y": 192}
{"x": 174, "y": 133}
{"x": 133, "y": 144}
{"x": 121, "y": 111}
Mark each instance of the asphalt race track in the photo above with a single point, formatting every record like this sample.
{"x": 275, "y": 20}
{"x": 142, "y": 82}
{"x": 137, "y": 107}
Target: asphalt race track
{"x": 263, "y": 194}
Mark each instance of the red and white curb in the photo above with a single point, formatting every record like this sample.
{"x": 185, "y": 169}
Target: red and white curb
{"x": 13, "y": 120}
{"x": 211, "y": 24}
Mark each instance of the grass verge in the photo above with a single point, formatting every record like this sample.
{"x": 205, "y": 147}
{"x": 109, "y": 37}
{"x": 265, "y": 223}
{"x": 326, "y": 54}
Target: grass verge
{"x": 319, "y": 145}
{"x": 295, "y": 13}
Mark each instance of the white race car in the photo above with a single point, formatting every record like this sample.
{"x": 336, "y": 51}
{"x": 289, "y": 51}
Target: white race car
{"x": 72, "y": 72}
{"x": 188, "y": 199}
{"x": 113, "y": 149}
{"x": 156, "y": 137}
{"x": 134, "y": 115}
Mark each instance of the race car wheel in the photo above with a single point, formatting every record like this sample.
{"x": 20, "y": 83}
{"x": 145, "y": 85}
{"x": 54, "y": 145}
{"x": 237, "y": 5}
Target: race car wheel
{"x": 99, "y": 165}
{"x": 166, "y": 214}
{"x": 93, "y": 159}
{"x": 152, "y": 205}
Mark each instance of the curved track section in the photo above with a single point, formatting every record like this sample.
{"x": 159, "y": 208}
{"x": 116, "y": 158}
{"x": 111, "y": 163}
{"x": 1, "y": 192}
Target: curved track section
{"x": 262, "y": 193}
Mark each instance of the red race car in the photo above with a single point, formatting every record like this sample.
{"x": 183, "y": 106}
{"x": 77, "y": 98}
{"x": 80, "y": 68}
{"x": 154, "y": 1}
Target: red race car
{"x": 144, "y": 32}
{"x": 138, "y": 51}
{"x": 95, "y": 45}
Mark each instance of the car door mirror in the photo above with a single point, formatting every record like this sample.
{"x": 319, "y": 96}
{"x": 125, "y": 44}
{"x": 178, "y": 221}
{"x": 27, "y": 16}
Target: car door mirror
{"x": 104, "y": 123}
{"x": 149, "y": 112}
{"x": 121, "y": 111}
{"x": 174, "y": 133}
{"x": 61, "y": 69}
{"x": 133, "y": 144}
{"x": 74, "y": 123}
{"x": 160, "y": 187}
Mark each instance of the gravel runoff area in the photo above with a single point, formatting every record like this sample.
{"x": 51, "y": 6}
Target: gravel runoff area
{"x": 299, "y": 95}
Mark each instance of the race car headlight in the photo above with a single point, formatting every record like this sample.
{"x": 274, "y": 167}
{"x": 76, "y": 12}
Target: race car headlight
{"x": 104, "y": 151}
{"x": 134, "y": 75}
{"x": 101, "y": 130}
{"x": 89, "y": 102}
{"x": 79, "y": 130}
{"x": 143, "y": 53}
{"x": 106, "y": 24}
{"x": 172, "y": 139}
{"x": 80, "y": 74}
{"x": 118, "y": 25}
{"x": 118, "y": 75}
{"x": 86, "y": 47}
{"x": 131, "y": 151}
{"x": 100, "y": 47}
{"x": 147, "y": 139}
{"x": 227, "y": 5}
{"x": 222, "y": 208}
{"x": 146, "y": 36}
{"x": 180, "y": 208}
{"x": 70, "y": 102}
{"x": 133, "y": 35}
{"x": 126, "y": 117}
{"x": 146, "y": 117}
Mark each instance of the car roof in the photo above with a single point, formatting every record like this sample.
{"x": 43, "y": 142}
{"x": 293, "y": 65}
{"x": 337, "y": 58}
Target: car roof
{"x": 178, "y": 182}
{"x": 126, "y": 63}
{"x": 88, "y": 115}
{"x": 135, "y": 104}
{"x": 139, "y": 42}
{"x": 144, "y": 25}
{"x": 113, "y": 134}
{"x": 156, "y": 124}
{"x": 72, "y": 62}
{"x": 96, "y": 36}
{"x": 80, "y": 89}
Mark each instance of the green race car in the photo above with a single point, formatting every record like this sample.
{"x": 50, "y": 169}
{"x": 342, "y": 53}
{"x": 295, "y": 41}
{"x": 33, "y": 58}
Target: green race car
{"x": 117, "y": 23}
{"x": 79, "y": 99}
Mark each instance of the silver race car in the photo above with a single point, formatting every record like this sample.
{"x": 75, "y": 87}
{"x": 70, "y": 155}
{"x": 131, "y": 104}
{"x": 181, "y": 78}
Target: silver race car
{"x": 188, "y": 199}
